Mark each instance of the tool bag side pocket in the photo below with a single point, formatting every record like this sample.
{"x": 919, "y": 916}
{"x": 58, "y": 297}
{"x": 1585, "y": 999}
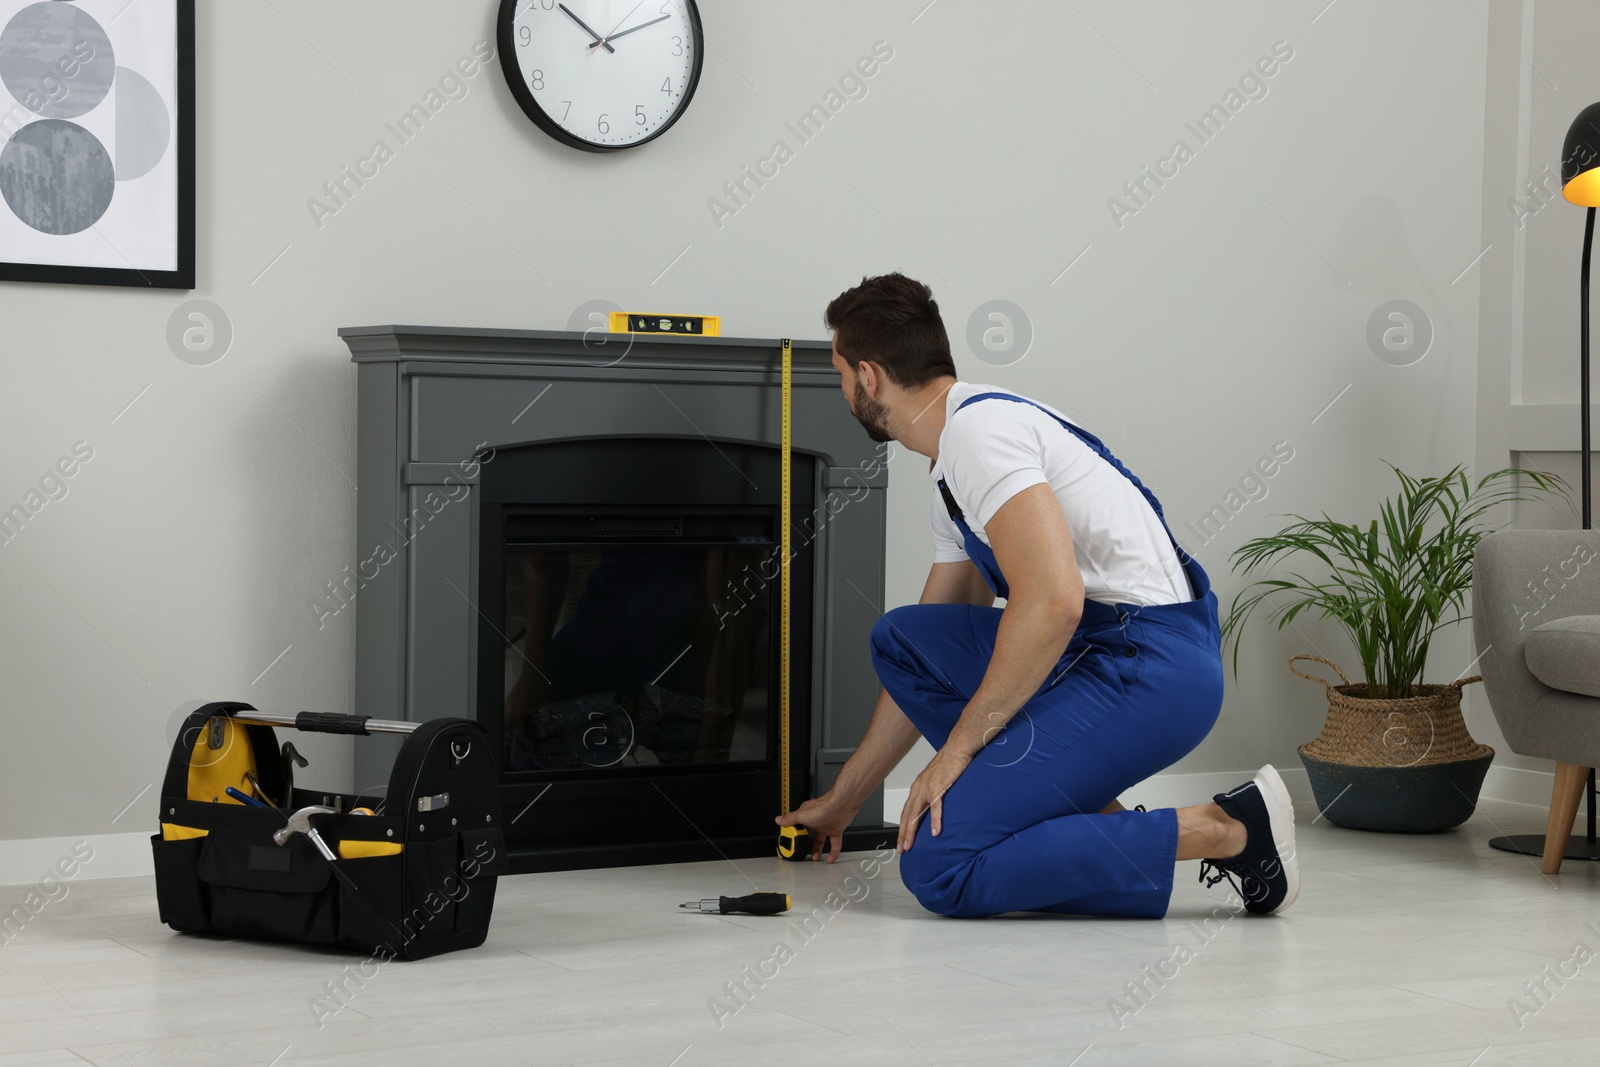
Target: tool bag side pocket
{"x": 180, "y": 895}
{"x": 432, "y": 886}
{"x": 370, "y": 892}
{"x": 483, "y": 859}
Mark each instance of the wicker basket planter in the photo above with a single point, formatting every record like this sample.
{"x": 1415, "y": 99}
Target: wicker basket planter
{"x": 1397, "y": 765}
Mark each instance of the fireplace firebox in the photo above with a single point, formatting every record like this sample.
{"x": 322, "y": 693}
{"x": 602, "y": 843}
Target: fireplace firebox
{"x": 581, "y": 551}
{"x": 614, "y": 644}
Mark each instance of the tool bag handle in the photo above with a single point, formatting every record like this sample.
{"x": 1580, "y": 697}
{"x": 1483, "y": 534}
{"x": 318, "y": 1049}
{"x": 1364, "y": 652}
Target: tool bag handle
{"x": 258, "y": 726}
{"x": 325, "y": 722}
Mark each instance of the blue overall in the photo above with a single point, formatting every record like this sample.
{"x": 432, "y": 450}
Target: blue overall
{"x": 1137, "y": 688}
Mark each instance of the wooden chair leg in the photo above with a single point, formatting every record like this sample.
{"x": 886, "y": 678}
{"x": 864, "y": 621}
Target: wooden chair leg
{"x": 1571, "y": 780}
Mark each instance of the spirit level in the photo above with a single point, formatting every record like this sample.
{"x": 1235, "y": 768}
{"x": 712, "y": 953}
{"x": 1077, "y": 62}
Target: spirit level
{"x": 682, "y": 325}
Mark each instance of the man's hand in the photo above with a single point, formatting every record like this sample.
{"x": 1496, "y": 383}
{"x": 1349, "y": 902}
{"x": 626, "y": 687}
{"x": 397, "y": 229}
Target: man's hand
{"x": 927, "y": 793}
{"x": 826, "y": 818}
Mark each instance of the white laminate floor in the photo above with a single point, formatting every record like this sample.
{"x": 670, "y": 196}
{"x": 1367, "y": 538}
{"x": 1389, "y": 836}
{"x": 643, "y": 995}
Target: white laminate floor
{"x": 1401, "y": 950}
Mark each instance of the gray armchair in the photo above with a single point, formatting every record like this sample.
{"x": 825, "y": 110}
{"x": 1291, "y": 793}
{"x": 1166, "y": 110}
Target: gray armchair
{"x": 1536, "y": 623}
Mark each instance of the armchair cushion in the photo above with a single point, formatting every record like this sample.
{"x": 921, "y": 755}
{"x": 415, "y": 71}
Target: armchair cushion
{"x": 1565, "y": 654}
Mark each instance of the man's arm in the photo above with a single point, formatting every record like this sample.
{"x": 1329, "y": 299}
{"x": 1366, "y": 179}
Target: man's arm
{"x": 891, "y": 735}
{"x": 888, "y": 738}
{"x": 1033, "y": 546}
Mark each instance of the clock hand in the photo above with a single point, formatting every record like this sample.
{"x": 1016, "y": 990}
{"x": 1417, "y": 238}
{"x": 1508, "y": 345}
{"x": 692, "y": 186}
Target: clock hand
{"x": 598, "y": 40}
{"x": 614, "y": 29}
{"x": 625, "y": 33}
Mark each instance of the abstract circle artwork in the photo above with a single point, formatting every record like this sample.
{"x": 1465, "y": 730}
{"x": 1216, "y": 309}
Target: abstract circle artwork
{"x": 56, "y": 60}
{"x": 143, "y": 125}
{"x": 56, "y": 176}
{"x": 96, "y": 141}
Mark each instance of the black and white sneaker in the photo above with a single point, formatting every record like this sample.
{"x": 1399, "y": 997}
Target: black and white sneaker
{"x": 1268, "y": 870}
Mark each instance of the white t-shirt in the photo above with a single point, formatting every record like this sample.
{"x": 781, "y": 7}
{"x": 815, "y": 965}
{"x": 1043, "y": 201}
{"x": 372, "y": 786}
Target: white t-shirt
{"x": 994, "y": 449}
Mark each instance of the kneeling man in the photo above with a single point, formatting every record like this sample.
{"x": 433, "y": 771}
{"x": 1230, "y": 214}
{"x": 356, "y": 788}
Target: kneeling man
{"x": 1103, "y": 668}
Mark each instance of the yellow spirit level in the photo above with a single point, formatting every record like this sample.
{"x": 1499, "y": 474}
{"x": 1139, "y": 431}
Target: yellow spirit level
{"x": 682, "y": 325}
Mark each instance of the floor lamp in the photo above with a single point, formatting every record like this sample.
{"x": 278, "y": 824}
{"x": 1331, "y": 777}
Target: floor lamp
{"x": 1580, "y": 184}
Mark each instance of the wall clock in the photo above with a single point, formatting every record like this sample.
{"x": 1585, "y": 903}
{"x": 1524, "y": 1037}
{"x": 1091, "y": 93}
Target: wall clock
{"x": 601, "y": 75}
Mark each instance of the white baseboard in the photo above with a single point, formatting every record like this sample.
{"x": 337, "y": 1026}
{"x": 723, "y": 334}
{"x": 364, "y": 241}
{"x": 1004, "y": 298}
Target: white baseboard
{"x": 1518, "y": 785}
{"x": 128, "y": 855}
{"x": 27, "y": 862}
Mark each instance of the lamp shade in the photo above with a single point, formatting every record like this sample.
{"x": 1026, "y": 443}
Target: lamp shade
{"x": 1580, "y": 159}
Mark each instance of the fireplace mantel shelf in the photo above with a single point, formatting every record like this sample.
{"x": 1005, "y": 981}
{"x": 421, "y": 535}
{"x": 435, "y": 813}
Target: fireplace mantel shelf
{"x": 460, "y": 344}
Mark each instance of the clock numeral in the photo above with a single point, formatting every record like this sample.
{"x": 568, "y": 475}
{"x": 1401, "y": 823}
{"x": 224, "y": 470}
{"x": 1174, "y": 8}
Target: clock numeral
{"x": 536, "y": 80}
{"x": 666, "y": 8}
{"x": 638, "y": 114}
{"x": 666, "y": 86}
{"x": 605, "y": 127}
{"x": 545, "y": 5}
{"x": 567, "y": 112}
{"x": 526, "y": 34}
{"x": 677, "y": 46}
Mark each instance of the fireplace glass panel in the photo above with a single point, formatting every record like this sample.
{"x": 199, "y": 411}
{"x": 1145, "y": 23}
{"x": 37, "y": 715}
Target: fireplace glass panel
{"x": 627, "y": 655}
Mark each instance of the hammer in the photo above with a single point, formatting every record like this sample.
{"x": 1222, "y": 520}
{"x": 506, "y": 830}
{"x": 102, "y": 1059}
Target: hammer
{"x": 300, "y": 823}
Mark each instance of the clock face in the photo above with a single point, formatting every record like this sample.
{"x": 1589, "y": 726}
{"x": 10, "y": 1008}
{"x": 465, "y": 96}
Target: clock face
{"x": 601, "y": 74}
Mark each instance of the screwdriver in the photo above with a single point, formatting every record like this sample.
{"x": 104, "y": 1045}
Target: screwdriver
{"x": 752, "y": 904}
{"x": 245, "y": 798}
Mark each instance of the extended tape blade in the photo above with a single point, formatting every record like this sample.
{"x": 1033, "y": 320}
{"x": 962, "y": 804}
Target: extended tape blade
{"x": 784, "y": 591}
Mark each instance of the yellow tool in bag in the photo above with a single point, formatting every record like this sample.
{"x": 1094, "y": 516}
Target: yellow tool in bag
{"x": 354, "y": 850}
{"x": 222, "y": 756}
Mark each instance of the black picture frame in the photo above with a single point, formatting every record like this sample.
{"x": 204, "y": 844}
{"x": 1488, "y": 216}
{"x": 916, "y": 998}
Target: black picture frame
{"x": 506, "y": 41}
{"x": 184, "y": 138}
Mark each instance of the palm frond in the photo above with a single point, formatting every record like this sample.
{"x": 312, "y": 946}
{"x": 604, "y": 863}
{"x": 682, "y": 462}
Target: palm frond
{"x": 1391, "y": 584}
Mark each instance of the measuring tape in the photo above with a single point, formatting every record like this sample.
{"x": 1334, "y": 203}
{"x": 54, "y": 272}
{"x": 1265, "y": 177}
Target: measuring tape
{"x": 784, "y": 588}
{"x": 792, "y": 843}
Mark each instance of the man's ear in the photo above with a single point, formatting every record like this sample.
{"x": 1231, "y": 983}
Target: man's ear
{"x": 870, "y": 377}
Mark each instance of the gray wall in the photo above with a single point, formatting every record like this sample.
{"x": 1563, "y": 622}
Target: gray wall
{"x": 1219, "y": 319}
{"x": 1540, "y": 75}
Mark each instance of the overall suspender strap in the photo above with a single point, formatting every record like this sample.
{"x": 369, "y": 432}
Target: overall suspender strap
{"x": 1088, "y": 439}
{"x": 1095, "y": 444}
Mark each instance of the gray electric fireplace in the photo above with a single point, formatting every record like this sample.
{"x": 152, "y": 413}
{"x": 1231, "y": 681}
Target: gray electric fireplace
{"x": 574, "y": 539}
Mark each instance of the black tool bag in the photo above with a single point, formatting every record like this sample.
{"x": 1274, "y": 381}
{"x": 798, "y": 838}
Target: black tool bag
{"x": 415, "y": 879}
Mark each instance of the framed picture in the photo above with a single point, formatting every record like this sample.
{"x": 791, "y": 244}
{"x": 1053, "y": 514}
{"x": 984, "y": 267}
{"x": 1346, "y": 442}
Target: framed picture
{"x": 97, "y": 142}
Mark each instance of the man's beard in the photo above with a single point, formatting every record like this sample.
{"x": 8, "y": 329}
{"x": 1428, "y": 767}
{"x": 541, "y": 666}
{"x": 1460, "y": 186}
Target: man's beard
{"x": 873, "y": 415}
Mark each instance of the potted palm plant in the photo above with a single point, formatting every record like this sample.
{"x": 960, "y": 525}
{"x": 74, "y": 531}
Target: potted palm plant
{"x": 1394, "y": 754}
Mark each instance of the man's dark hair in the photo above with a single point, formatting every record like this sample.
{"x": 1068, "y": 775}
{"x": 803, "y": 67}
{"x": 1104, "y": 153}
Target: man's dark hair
{"x": 893, "y": 321}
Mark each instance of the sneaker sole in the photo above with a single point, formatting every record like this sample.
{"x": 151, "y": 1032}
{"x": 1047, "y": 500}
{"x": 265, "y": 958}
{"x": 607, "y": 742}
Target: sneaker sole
{"x": 1280, "y": 819}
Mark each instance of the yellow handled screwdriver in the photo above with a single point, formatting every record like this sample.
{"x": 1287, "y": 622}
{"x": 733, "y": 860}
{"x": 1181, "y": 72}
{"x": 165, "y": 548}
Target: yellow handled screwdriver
{"x": 750, "y": 904}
